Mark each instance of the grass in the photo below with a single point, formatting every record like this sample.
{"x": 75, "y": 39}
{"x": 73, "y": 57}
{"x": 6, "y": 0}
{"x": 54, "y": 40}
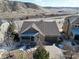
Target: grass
{"x": 19, "y": 54}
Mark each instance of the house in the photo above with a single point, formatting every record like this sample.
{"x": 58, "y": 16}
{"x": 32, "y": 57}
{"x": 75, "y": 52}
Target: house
{"x": 71, "y": 27}
{"x": 39, "y": 31}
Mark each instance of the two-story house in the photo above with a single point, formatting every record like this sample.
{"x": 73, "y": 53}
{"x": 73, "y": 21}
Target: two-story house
{"x": 71, "y": 27}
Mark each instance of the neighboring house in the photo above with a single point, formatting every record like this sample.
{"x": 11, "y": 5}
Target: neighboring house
{"x": 71, "y": 27}
{"x": 35, "y": 32}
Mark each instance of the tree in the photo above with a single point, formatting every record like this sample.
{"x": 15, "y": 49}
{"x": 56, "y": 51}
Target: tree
{"x": 10, "y": 31}
{"x": 11, "y": 28}
{"x": 41, "y": 53}
{"x": 9, "y": 37}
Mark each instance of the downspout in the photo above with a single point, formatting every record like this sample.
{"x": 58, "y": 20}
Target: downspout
{"x": 68, "y": 29}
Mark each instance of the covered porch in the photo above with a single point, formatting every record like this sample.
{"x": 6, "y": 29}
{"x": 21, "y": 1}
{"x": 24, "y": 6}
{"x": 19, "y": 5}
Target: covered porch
{"x": 75, "y": 33}
{"x": 30, "y": 37}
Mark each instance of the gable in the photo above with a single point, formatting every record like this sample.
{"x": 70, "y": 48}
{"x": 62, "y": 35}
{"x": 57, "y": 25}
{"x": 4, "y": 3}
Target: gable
{"x": 30, "y": 32}
{"x": 73, "y": 19}
{"x": 32, "y": 27}
{"x": 76, "y": 21}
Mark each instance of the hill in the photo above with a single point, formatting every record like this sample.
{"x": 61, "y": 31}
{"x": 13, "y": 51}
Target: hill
{"x": 15, "y": 9}
{"x": 24, "y": 10}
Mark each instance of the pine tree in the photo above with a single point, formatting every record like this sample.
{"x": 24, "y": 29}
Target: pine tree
{"x": 41, "y": 53}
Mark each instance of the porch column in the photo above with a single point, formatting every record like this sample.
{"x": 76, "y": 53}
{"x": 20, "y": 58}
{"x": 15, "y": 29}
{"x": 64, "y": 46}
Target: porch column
{"x": 30, "y": 40}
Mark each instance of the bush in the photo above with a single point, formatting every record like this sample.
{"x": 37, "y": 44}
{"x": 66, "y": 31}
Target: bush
{"x": 16, "y": 37}
{"x": 17, "y": 54}
{"x": 41, "y": 53}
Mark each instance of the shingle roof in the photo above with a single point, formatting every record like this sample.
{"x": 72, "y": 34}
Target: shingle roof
{"x": 73, "y": 19}
{"x": 47, "y": 28}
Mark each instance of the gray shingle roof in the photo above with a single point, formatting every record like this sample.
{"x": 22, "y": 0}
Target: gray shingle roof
{"x": 47, "y": 28}
{"x": 73, "y": 19}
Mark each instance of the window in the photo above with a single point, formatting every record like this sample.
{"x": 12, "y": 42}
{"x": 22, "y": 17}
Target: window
{"x": 76, "y": 37}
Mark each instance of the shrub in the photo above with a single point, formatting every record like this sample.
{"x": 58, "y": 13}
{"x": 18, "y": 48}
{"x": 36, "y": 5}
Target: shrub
{"x": 11, "y": 28}
{"x": 41, "y": 53}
